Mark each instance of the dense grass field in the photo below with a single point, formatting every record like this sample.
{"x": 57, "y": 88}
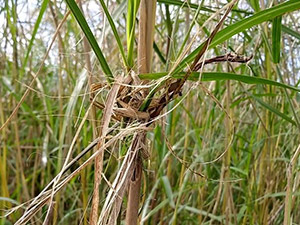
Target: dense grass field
{"x": 150, "y": 112}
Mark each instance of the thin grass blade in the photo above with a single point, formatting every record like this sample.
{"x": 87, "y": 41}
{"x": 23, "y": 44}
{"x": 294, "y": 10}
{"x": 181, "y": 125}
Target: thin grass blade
{"x": 274, "y": 110}
{"x": 132, "y": 9}
{"x": 276, "y": 38}
{"x": 34, "y": 32}
{"x": 115, "y": 32}
{"x": 217, "y": 76}
{"x": 91, "y": 39}
{"x": 291, "y": 32}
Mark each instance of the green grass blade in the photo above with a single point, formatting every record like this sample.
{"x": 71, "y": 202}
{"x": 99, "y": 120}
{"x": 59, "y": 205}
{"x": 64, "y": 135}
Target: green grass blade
{"x": 276, "y": 38}
{"x": 115, "y": 32}
{"x": 187, "y": 36}
{"x": 159, "y": 53}
{"x": 274, "y": 110}
{"x": 242, "y": 25}
{"x": 168, "y": 189}
{"x": 217, "y": 76}
{"x": 255, "y": 19}
{"x": 291, "y": 32}
{"x": 288, "y": 97}
{"x": 35, "y": 29}
{"x": 183, "y": 3}
{"x": 195, "y": 6}
{"x": 91, "y": 38}
{"x": 129, "y": 20}
{"x": 171, "y": 34}
{"x": 255, "y": 5}
{"x": 132, "y": 9}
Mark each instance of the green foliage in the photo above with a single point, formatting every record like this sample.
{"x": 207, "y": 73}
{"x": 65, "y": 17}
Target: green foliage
{"x": 276, "y": 38}
{"x": 132, "y": 10}
{"x": 216, "y": 76}
{"x": 34, "y": 32}
{"x": 91, "y": 38}
{"x": 243, "y": 25}
{"x": 114, "y": 29}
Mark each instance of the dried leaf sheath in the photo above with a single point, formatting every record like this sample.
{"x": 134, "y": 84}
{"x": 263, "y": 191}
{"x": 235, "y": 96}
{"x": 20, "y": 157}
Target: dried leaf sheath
{"x": 114, "y": 198}
{"x": 106, "y": 117}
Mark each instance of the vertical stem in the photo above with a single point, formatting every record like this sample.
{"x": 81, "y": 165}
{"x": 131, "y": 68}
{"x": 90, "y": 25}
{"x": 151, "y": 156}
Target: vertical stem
{"x": 3, "y": 165}
{"x": 146, "y": 32}
{"x": 264, "y": 164}
{"x": 134, "y": 193}
{"x": 227, "y": 206}
{"x": 289, "y": 191}
{"x": 145, "y": 45}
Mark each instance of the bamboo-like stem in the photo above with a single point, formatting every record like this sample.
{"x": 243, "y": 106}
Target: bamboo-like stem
{"x": 227, "y": 206}
{"x": 289, "y": 198}
{"x": 146, "y": 32}
{"x": 134, "y": 190}
{"x": 145, "y": 46}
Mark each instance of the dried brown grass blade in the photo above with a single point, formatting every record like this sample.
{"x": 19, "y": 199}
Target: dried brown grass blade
{"x": 107, "y": 115}
{"x": 46, "y": 194}
{"x": 113, "y": 201}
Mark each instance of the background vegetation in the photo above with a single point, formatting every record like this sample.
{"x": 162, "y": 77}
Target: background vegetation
{"x": 225, "y": 152}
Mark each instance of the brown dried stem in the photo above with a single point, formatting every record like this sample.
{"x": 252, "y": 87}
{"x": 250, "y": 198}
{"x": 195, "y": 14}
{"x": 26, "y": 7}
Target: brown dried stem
{"x": 145, "y": 46}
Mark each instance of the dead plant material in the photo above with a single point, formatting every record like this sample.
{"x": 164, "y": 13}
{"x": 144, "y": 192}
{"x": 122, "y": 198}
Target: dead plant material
{"x": 174, "y": 89}
{"x": 44, "y": 196}
{"x": 106, "y": 117}
{"x": 134, "y": 190}
{"x": 114, "y": 198}
{"x": 224, "y": 58}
